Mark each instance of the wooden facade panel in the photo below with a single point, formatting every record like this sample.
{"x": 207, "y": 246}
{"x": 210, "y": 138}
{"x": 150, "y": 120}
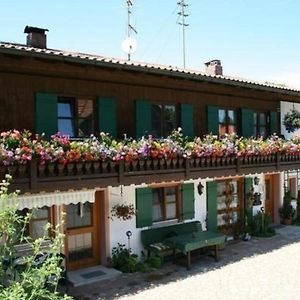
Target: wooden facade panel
{"x": 22, "y": 78}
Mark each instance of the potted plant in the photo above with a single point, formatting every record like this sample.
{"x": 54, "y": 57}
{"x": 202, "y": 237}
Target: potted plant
{"x": 287, "y": 212}
{"x": 122, "y": 211}
{"x": 291, "y": 120}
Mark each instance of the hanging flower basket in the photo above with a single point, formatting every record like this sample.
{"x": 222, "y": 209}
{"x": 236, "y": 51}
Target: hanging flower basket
{"x": 122, "y": 211}
{"x": 291, "y": 120}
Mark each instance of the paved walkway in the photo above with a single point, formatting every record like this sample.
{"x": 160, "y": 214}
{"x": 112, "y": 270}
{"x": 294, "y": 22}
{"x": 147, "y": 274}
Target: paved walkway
{"x": 262, "y": 268}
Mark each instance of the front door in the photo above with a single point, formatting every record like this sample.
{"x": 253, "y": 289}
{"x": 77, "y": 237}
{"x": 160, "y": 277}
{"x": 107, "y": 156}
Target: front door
{"x": 269, "y": 201}
{"x": 82, "y": 235}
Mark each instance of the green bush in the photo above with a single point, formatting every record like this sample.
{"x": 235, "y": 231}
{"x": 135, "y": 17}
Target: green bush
{"x": 124, "y": 260}
{"x": 297, "y": 221}
{"x": 287, "y": 211}
{"x": 34, "y": 275}
{"x": 261, "y": 225}
{"x": 154, "y": 261}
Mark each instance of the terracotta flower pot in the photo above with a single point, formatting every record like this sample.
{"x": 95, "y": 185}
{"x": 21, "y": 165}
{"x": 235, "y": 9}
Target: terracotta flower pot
{"x": 286, "y": 221}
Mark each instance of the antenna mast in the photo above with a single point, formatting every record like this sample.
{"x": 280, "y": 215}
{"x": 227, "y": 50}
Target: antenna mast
{"x": 130, "y": 29}
{"x": 182, "y": 16}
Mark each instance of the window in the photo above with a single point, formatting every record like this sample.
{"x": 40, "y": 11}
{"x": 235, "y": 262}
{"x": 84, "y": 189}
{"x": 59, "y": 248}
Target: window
{"x": 164, "y": 119}
{"x": 79, "y": 215}
{"x": 40, "y": 218}
{"x": 75, "y": 117}
{"x": 260, "y": 124}
{"x": 227, "y": 121}
{"x": 165, "y": 204}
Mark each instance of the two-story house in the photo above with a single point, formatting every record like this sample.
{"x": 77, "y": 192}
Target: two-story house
{"x": 46, "y": 90}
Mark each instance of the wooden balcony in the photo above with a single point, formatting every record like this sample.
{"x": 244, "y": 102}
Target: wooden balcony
{"x": 36, "y": 178}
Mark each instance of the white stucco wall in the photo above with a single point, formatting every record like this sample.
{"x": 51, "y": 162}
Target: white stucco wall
{"x": 118, "y": 227}
{"x": 284, "y": 108}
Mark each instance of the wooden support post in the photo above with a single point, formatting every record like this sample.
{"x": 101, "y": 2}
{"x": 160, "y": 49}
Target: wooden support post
{"x": 174, "y": 255}
{"x": 277, "y": 160}
{"x": 187, "y": 168}
{"x": 238, "y": 162}
{"x": 188, "y": 255}
{"x": 216, "y": 253}
{"x": 33, "y": 174}
{"x": 121, "y": 171}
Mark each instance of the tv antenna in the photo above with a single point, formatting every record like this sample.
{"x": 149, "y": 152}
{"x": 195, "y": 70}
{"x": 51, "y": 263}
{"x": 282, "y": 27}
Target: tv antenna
{"x": 129, "y": 44}
{"x": 182, "y": 21}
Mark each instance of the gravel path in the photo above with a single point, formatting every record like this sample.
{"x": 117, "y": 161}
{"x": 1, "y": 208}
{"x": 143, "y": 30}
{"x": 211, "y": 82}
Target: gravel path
{"x": 274, "y": 275}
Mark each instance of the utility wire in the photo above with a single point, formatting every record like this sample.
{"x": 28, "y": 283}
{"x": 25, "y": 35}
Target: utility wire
{"x": 159, "y": 32}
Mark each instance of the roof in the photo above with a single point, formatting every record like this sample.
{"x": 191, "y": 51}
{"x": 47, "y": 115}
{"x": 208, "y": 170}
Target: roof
{"x": 97, "y": 60}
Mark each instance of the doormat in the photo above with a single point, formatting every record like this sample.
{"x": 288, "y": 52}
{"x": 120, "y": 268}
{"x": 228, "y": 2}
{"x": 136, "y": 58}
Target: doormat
{"x": 92, "y": 274}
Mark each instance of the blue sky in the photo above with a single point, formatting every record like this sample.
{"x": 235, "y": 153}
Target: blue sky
{"x": 255, "y": 39}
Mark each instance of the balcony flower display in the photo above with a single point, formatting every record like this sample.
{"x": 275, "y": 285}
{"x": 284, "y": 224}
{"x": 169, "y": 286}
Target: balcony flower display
{"x": 17, "y": 148}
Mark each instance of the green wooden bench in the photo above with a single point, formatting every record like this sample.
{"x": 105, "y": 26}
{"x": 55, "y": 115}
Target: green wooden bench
{"x": 184, "y": 237}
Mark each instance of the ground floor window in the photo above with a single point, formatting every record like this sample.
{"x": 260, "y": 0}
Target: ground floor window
{"x": 165, "y": 205}
{"x": 40, "y": 217}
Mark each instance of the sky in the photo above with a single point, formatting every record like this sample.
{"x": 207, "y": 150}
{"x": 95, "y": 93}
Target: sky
{"x": 254, "y": 39}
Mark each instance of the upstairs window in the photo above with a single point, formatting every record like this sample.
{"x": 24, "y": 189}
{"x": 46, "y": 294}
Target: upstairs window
{"x": 164, "y": 119}
{"x": 165, "y": 204}
{"x": 227, "y": 121}
{"x": 75, "y": 117}
{"x": 260, "y": 124}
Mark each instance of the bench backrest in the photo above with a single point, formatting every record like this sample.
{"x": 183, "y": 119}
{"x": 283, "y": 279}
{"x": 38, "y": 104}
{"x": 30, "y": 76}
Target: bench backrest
{"x": 156, "y": 235}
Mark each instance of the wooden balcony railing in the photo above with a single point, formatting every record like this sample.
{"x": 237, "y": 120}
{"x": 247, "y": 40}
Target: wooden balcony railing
{"x": 78, "y": 175}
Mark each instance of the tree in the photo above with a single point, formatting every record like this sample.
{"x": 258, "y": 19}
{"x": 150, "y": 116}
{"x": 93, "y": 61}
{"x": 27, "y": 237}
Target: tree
{"x": 35, "y": 275}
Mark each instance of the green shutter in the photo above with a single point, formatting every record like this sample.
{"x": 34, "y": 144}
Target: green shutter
{"x": 247, "y": 122}
{"x": 46, "y": 114}
{"x": 212, "y": 119}
{"x": 248, "y": 208}
{"x": 274, "y": 122}
{"x": 143, "y": 118}
{"x": 144, "y": 200}
{"x": 107, "y": 116}
{"x": 188, "y": 201}
{"x": 212, "y": 206}
{"x": 187, "y": 119}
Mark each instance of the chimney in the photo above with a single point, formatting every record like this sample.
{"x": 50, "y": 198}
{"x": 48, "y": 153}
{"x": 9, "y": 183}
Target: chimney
{"x": 214, "y": 67}
{"x": 36, "y": 37}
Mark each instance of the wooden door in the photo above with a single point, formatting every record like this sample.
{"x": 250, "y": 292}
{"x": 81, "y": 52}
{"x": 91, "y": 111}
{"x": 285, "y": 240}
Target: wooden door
{"x": 82, "y": 235}
{"x": 269, "y": 200}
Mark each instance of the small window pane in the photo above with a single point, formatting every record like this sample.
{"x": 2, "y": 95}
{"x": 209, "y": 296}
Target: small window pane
{"x": 254, "y": 131}
{"x": 171, "y": 211}
{"x": 222, "y": 116}
{"x": 222, "y": 129}
{"x": 170, "y": 119}
{"x": 65, "y": 110}
{"x": 170, "y": 195}
{"x": 85, "y": 127}
{"x": 262, "y": 119}
{"x": 157, "y": 208}
{"x": 66, "y": 126}
{"x": 231, "y": 116}
{"x": 156, "y": 114}
{"x": 79, "y": 215}
{"x": 262, "y": 131}
{"x": 85, "y": 108}
{"x": 231, "y": 129}
{"x": 38, "y": 229}
{"x": 255, "y": 118}
{"x": 40, "y": 213}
